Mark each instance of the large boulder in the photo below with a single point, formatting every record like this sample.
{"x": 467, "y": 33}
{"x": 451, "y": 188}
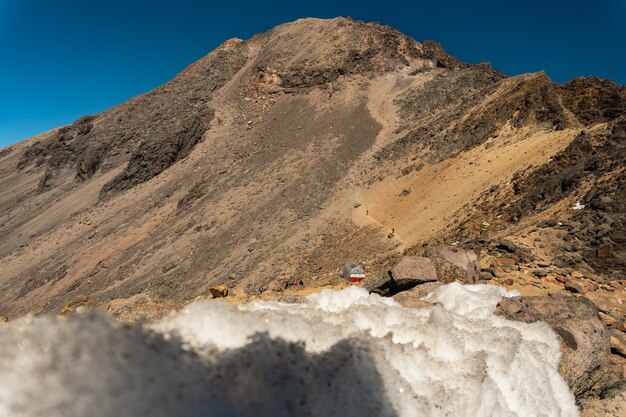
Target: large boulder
{"x": 407, "y": 273}
{"x": 142, "y": 306}
{"x": 410, "y": 271}
{"x": 454, "y": 264}
{"x": 220, "y": 291}
{"x": 381, "y": 283}
{"x": 585, "y": 341}
{"x": 413, "y": 298}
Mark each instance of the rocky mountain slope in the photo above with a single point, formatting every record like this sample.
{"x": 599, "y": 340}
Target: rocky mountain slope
{"x": 317, "y": 142}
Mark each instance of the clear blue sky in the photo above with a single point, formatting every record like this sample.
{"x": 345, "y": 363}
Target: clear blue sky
{"x": 60, "y": 59}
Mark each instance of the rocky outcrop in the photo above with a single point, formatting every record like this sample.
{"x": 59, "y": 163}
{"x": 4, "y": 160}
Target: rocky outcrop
{"x": 406, "y": 273}
{"x": 585, "y": 341}
{"x": 442, "y": 264}
{"x": 380, "y": 283}
{"x": 220, "y": 291}
{"x": 143, "y": 306}
{"x": 454, "y": 264}
{"x": 410, "y": 271}
{"x": 413, "y": 298}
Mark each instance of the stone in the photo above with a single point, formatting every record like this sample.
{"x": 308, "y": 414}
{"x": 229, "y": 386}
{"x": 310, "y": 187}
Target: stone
{"x": 617, "y": 285}
{"x": 424, "y": 289}
{"x": 3, "y": 319}
{"x": 454, "y": 264}
{"x": 605, "y": 230}
{"x": 574, "y": 287}
{"x": 485, "y": 276}
{"x": 606, "y": 319}
{"x": 80, "y": 303}
{"x": 413, "y": 298}
{"x": 142, "y": 306}
{"x": 547, "y": 223}
{"x": 561, "y": 278}
{"x": 506, "y": 245}
{"x": 219, "y": 291}
{"x": 410, "y": 271}
{"x": 618, "y": 343}
{"x": 380, "y": 283}
{"x": 585, "y": 341}
{"x": 490, "y": 271}
{"x": 540, "y": 273}
{"x": 504, "y": 262}
{"x": 168, "y": 267}
{"x": 604, "y": 251}
{"x": 588, "y": 285}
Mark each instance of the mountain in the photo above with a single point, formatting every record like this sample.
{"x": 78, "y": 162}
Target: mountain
{"x": 317, "y": 142}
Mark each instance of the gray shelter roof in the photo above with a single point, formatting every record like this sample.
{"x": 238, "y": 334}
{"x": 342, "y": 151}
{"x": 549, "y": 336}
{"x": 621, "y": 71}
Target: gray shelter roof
{"x": 352, "y": 268}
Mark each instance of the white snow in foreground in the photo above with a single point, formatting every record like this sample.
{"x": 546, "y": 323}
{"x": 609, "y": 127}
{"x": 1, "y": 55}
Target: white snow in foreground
{"x": 341, "y": 353}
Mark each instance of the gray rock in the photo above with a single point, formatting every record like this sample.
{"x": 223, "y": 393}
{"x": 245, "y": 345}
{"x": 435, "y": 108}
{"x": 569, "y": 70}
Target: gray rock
{"x": 574, "y": 287}
{"x": 168, "y": 267}
{"x": 585, "y": 341}
{"x": 485, "y": 276}
{"x": 408, "y": 272}
{"x": 548, "y": 223}
{"x": 412, "y": 298}
{"x": 490, "y": 271}
{"x": 506, "y": 245}
{"x": 454, "y": 264}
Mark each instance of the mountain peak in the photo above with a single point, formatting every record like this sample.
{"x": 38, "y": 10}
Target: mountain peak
{"x": 318, "y": 139}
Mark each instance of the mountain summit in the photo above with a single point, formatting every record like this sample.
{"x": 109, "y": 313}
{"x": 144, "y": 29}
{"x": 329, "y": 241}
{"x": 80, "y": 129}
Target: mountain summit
{"x": 317, "y": 142}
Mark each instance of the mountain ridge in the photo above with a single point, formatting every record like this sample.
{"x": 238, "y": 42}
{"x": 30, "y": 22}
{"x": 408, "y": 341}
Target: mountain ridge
{"x": 289, "y": 153}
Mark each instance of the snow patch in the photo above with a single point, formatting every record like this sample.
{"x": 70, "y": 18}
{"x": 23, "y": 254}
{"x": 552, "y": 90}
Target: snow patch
{"x": 577, "y": 206}
{"x": 340, "y": 353}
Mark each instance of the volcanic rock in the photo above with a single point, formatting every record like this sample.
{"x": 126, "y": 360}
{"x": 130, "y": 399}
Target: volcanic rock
{"x": 220, "y": 291}
{"x": 410, "y": 271}
{"x": 454, "y": 264}
{"x": 585, "y": 341}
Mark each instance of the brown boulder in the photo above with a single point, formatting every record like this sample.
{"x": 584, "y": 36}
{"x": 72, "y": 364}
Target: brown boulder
{"x": 412, "y": 297}
{"x": 604, "y": 251}
{"x": 504, "y": 263}
{"x": 454, "y": 264}
{"x": 3, "y": 319}
{"x": 574, "y": 287}
{"x": 142, "y": 306}
{"x": 410, "y": 271}
{"x": 585, "y": 341}
{"x": 580, "y": 286}
{"x": 220, "y": 291}
{"x": 618, "y": 343}
{"x": 606, "y": 319}
{"x": 485, "y": 276}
